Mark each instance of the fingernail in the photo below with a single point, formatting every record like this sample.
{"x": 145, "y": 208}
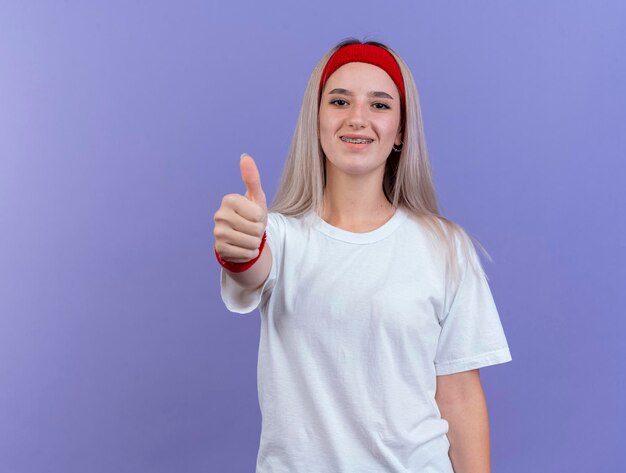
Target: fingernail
{"x": 242, "y": 155}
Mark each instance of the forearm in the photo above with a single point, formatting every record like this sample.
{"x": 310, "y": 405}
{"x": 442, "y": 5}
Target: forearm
{"x": 254, "y": 277}
{"x": 468, "y": 433}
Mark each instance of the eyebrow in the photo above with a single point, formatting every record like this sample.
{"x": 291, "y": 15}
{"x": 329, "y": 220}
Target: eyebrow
{"x": 383, "y": 95}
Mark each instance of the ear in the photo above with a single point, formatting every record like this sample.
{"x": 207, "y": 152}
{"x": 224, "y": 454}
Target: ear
{"x": 398, "y": 140}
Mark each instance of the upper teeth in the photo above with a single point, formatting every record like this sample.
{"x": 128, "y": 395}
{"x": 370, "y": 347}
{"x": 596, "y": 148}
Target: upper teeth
{"x": 356, "y": 140}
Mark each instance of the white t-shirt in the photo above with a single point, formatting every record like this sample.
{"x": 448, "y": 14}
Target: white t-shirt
{"x": 355, "y": 327}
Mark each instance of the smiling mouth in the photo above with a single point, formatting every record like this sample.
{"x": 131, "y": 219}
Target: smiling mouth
{"x": 356, "y": 140}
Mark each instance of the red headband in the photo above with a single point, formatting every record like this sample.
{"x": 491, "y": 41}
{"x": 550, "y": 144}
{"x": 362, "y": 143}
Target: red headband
{"x": 369, "y": 54}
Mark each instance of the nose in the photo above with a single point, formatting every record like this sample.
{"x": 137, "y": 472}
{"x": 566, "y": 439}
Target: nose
{"x": 357, "y": 116}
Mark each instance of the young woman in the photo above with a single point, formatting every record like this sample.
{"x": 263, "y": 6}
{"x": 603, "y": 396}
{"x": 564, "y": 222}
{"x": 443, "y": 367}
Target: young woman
{"x": 376, "y": 314}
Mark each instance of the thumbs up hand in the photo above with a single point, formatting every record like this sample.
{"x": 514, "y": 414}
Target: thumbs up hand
{"x": 241, "y": 219}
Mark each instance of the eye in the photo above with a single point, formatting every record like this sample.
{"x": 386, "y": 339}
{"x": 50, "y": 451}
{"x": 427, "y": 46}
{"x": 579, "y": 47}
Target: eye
{"x": 338, "y": 102}
{"x": 381, "y": 106}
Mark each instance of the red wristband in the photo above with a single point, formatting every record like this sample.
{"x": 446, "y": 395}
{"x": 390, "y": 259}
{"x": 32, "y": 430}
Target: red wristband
{"x": 239, "y": 267}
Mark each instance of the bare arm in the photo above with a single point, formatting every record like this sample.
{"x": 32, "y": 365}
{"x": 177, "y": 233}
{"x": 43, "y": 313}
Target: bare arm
{"x": 256, "y": 275}
{"x": 462, "y": 403}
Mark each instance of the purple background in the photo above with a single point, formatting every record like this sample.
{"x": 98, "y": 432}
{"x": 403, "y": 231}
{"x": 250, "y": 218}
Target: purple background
{"x": 121, "y": 127}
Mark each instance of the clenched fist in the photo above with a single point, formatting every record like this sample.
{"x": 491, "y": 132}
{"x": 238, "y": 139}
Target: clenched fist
{"x": 241, "y": 219}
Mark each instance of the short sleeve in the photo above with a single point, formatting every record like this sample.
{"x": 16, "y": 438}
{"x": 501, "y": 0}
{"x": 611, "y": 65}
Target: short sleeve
{"x": 241, "y": 300}
{"x": 471, "y": 335}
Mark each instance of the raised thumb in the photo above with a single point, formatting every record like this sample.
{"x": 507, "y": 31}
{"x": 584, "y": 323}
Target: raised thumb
{"x": 252, "y": 180}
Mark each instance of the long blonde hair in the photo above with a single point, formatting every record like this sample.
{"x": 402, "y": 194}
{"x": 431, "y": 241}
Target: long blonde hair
{"x": 407, "y": 181}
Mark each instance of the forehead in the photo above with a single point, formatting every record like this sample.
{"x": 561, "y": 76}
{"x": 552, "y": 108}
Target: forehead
{"x": 361, "y": 75}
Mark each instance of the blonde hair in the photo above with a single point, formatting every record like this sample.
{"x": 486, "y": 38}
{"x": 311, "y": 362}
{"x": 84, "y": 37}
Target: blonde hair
{"x": 407, "y": 181}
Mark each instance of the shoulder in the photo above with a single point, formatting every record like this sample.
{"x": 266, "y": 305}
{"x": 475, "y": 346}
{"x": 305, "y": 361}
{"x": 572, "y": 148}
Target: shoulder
{"x": 280, "y": 224}
{"x": 451, "y": 242}
{"x": 287, "y": 220}
{"x": 279, "y": 219}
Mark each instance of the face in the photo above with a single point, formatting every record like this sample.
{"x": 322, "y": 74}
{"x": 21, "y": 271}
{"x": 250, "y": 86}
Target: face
{"x": 359, "y": 118}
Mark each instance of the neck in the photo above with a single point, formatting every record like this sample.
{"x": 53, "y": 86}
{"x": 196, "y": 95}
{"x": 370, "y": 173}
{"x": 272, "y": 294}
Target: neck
{"x": 356, "y": 203}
